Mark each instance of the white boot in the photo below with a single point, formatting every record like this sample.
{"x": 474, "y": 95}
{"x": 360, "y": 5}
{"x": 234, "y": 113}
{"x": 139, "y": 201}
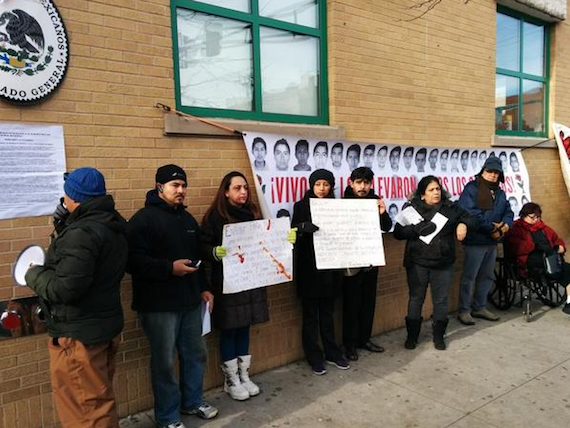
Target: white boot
{"x": 244, "y": 361}
{"x": 232, "y": 384}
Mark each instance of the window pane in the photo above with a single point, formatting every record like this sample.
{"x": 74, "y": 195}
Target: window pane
{"x": 506, "y": 103}
{"x": 289, "y": 72}
{"x": 239, "y": 5}
{"x": 215, "y": 58}
{"x": 533, "y": 49}
{"x": 302, "y": 12}
{"x": 533, "y": 106}
{"x": 508, "y": 42}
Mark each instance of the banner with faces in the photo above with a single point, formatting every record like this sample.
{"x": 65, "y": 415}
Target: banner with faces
{"x": 282, "y": 165}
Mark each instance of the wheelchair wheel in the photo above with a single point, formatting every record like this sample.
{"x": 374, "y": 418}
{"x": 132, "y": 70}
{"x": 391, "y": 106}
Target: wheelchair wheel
{"x": 550, "y": 292}
{"x": 502, "y": 294}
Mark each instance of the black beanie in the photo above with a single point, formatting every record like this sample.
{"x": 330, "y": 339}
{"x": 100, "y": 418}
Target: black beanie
{"x": 167, "y": 173}
{"x": 321, "y": 174}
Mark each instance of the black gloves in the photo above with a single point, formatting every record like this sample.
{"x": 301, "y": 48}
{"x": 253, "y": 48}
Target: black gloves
{"x": 307, "y": 227}
{"x": 424, "y": 228}
{"x": 59, "y": 216}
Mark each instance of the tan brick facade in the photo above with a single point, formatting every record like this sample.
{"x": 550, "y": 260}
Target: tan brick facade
{"x": 428, "y": 81}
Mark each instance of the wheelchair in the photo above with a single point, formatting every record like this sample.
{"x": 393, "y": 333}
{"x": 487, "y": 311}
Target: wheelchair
{"x": 510, "y": 289}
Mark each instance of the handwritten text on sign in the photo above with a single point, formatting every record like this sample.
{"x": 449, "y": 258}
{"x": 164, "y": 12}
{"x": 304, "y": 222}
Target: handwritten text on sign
{"x": 349, "y": 233}
{"x": 258, "y": 254}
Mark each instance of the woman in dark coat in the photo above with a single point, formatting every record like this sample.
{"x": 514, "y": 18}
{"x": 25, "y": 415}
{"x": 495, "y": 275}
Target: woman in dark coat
{"x": 431, "y": 264}
{"x": 318, "y": 289}
{"x": 529, "y": 240}
{"x": 233, "y": 313}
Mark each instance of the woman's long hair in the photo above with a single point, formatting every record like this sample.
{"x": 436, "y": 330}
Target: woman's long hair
{"x": 221, "y": 204}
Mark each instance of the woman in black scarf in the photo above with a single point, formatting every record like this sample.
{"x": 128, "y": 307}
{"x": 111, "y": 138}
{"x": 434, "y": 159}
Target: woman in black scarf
{"x": 233, "y": 313}
{"x": 318, "y": 289}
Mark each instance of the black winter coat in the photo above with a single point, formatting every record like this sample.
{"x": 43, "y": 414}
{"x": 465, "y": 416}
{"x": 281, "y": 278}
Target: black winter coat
{"x": 237, "y": 309}
{"x": 440, "y": 252}
{"x": 80, "y": 283}
{"x": 158, "y": 235}
{"x": 311, "y": 283}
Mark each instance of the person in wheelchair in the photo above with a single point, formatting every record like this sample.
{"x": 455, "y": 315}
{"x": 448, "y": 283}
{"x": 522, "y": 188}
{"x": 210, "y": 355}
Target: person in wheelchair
{"x": 529, "y": 240}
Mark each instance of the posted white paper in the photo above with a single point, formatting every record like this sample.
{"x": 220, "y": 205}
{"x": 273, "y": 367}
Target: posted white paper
{"x": 32, "y": 163}
{"x": 349, "y": 233}
{"x": 258, "y": 254}
{"x": 409, "y": 216}
{"x": 439, "y": 220}
{"x": 206, "y": 318}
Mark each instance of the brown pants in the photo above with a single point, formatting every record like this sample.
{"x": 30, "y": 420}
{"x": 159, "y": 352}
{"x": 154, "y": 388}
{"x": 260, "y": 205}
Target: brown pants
{"x": 82, "y": 382}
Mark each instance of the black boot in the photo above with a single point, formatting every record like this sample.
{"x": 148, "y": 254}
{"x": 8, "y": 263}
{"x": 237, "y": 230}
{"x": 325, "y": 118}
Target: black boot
{"x": 413, "y": 327}
{"x": 439, "y": 328}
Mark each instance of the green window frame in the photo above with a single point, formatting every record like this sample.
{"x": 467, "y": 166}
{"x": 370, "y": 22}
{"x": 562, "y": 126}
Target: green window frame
{"x": 255, "y": 21}
{"x": 521, "y": 76}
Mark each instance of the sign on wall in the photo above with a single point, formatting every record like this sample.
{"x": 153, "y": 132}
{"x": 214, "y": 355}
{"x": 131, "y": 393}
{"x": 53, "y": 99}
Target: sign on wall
{"x": 34, "y": 50}
{"x": 282, "y": 165}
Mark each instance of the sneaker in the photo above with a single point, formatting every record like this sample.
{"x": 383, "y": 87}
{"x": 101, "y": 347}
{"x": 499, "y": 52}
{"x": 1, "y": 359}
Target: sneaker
{"x": 319, "y": 369}
{"x": 178, "y": 424}
{"x": 465, "y": 318}
{"x": 341, "y": 363}
{"x": 566, "y": 308}
{"x": 204, "y": 411}
{"x": 485, "y": 314}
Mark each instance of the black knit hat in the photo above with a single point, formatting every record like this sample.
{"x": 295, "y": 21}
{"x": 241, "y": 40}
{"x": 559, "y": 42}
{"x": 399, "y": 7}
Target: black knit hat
{"x": 167, "y": 173}
{"x": 321, "y": 174}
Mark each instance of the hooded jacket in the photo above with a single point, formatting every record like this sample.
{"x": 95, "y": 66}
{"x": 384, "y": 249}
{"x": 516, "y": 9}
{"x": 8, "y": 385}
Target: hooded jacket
{"x": 80, "y": 283}
{"x": 440, "y": 252}
{"x": 159, "y": 234}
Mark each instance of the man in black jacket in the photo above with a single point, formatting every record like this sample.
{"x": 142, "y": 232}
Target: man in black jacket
{"x": 167, "y": 294}
{"x": 359, "y": 287}
{"x": 79, "y": 288}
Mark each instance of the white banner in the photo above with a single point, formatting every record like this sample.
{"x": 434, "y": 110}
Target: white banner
{"x": 258, "y": 254}
{"x": 283, "y": 163}
{"x": 32, "y": 163}
{"x": 349, "y": 233}
{"x": 562, "y": 135}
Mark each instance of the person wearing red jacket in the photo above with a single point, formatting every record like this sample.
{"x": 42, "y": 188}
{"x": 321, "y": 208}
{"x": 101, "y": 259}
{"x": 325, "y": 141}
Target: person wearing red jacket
{"x": 529, "y": 239}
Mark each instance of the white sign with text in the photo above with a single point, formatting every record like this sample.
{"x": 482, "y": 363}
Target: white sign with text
{"x": 349, "y": 233}
{"x": 258, "y": 254}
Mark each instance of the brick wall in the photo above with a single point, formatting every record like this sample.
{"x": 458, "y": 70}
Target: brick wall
{"x": 428, "y": 81}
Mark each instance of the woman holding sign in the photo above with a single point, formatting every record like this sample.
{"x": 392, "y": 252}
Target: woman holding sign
{"x": 430, "y": 254}
{"x": 233, "y": 313}
{"x": 318, "y": 289}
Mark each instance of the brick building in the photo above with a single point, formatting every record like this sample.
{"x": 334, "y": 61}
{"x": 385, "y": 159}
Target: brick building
{"x": 465, "y": 74}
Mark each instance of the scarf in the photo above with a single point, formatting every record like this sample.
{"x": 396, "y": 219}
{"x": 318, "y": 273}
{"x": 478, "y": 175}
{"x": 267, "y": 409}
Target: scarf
{"x": 486, "y": 193}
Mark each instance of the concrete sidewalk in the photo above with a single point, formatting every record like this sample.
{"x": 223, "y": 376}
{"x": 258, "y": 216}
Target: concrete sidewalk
{"x": 505, "y": 374}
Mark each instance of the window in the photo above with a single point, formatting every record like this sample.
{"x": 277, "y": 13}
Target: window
{"x": 251, "y": 59}
{"x": 521, "y": 84}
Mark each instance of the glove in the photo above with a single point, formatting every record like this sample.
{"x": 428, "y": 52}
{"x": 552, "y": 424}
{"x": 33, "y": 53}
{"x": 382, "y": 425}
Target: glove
{"x": 219, "y": 252}
{"x": 307, "y": 227}
{"x": 424, "y": 228}
{"x": 59, "y": 216}
{"x": 292, "y": 235}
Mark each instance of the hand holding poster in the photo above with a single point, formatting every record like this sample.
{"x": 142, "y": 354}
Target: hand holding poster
{"x": 349, "y": 233}
{"x": 258, "y": 254}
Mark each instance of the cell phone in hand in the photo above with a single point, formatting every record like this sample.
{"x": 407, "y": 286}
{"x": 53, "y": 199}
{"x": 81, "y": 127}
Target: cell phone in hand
{"x": 195, "y": 263}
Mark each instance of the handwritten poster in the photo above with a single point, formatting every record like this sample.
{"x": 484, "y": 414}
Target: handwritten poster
{"x": 32, "y": 163}
{"x": 258, "y": 254}
{"x": 349, "y": 233}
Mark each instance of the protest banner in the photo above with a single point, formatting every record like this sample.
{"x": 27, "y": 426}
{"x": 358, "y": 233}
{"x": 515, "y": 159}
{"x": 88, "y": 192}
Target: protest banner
{"x": 562, "y": 135}
{"x": 349, "y": 233}
{"x": 258, "y": 254}
{"x": 282, "y": 165}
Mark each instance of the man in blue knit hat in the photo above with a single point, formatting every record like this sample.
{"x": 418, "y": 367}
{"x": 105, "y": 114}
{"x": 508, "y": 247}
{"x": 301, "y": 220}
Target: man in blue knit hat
{"x": 79, "y": 290}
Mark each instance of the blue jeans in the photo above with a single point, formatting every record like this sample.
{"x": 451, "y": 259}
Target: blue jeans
{"x": 168, "y": 332}
{"x": 477, "y": 277}
{"x": 234, "y": 342}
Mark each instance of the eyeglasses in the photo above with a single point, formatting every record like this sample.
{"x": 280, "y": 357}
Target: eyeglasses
{"x": 534, "y": 216}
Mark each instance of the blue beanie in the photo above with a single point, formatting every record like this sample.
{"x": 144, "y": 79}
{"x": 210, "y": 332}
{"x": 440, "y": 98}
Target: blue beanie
{"x": 84, "y": 183}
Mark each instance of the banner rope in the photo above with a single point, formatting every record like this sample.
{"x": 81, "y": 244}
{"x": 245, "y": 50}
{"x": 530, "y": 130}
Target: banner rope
{"x": 187, "y": 116}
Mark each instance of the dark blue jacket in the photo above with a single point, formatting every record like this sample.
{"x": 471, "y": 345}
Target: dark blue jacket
{"x": 501, "y": 212}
